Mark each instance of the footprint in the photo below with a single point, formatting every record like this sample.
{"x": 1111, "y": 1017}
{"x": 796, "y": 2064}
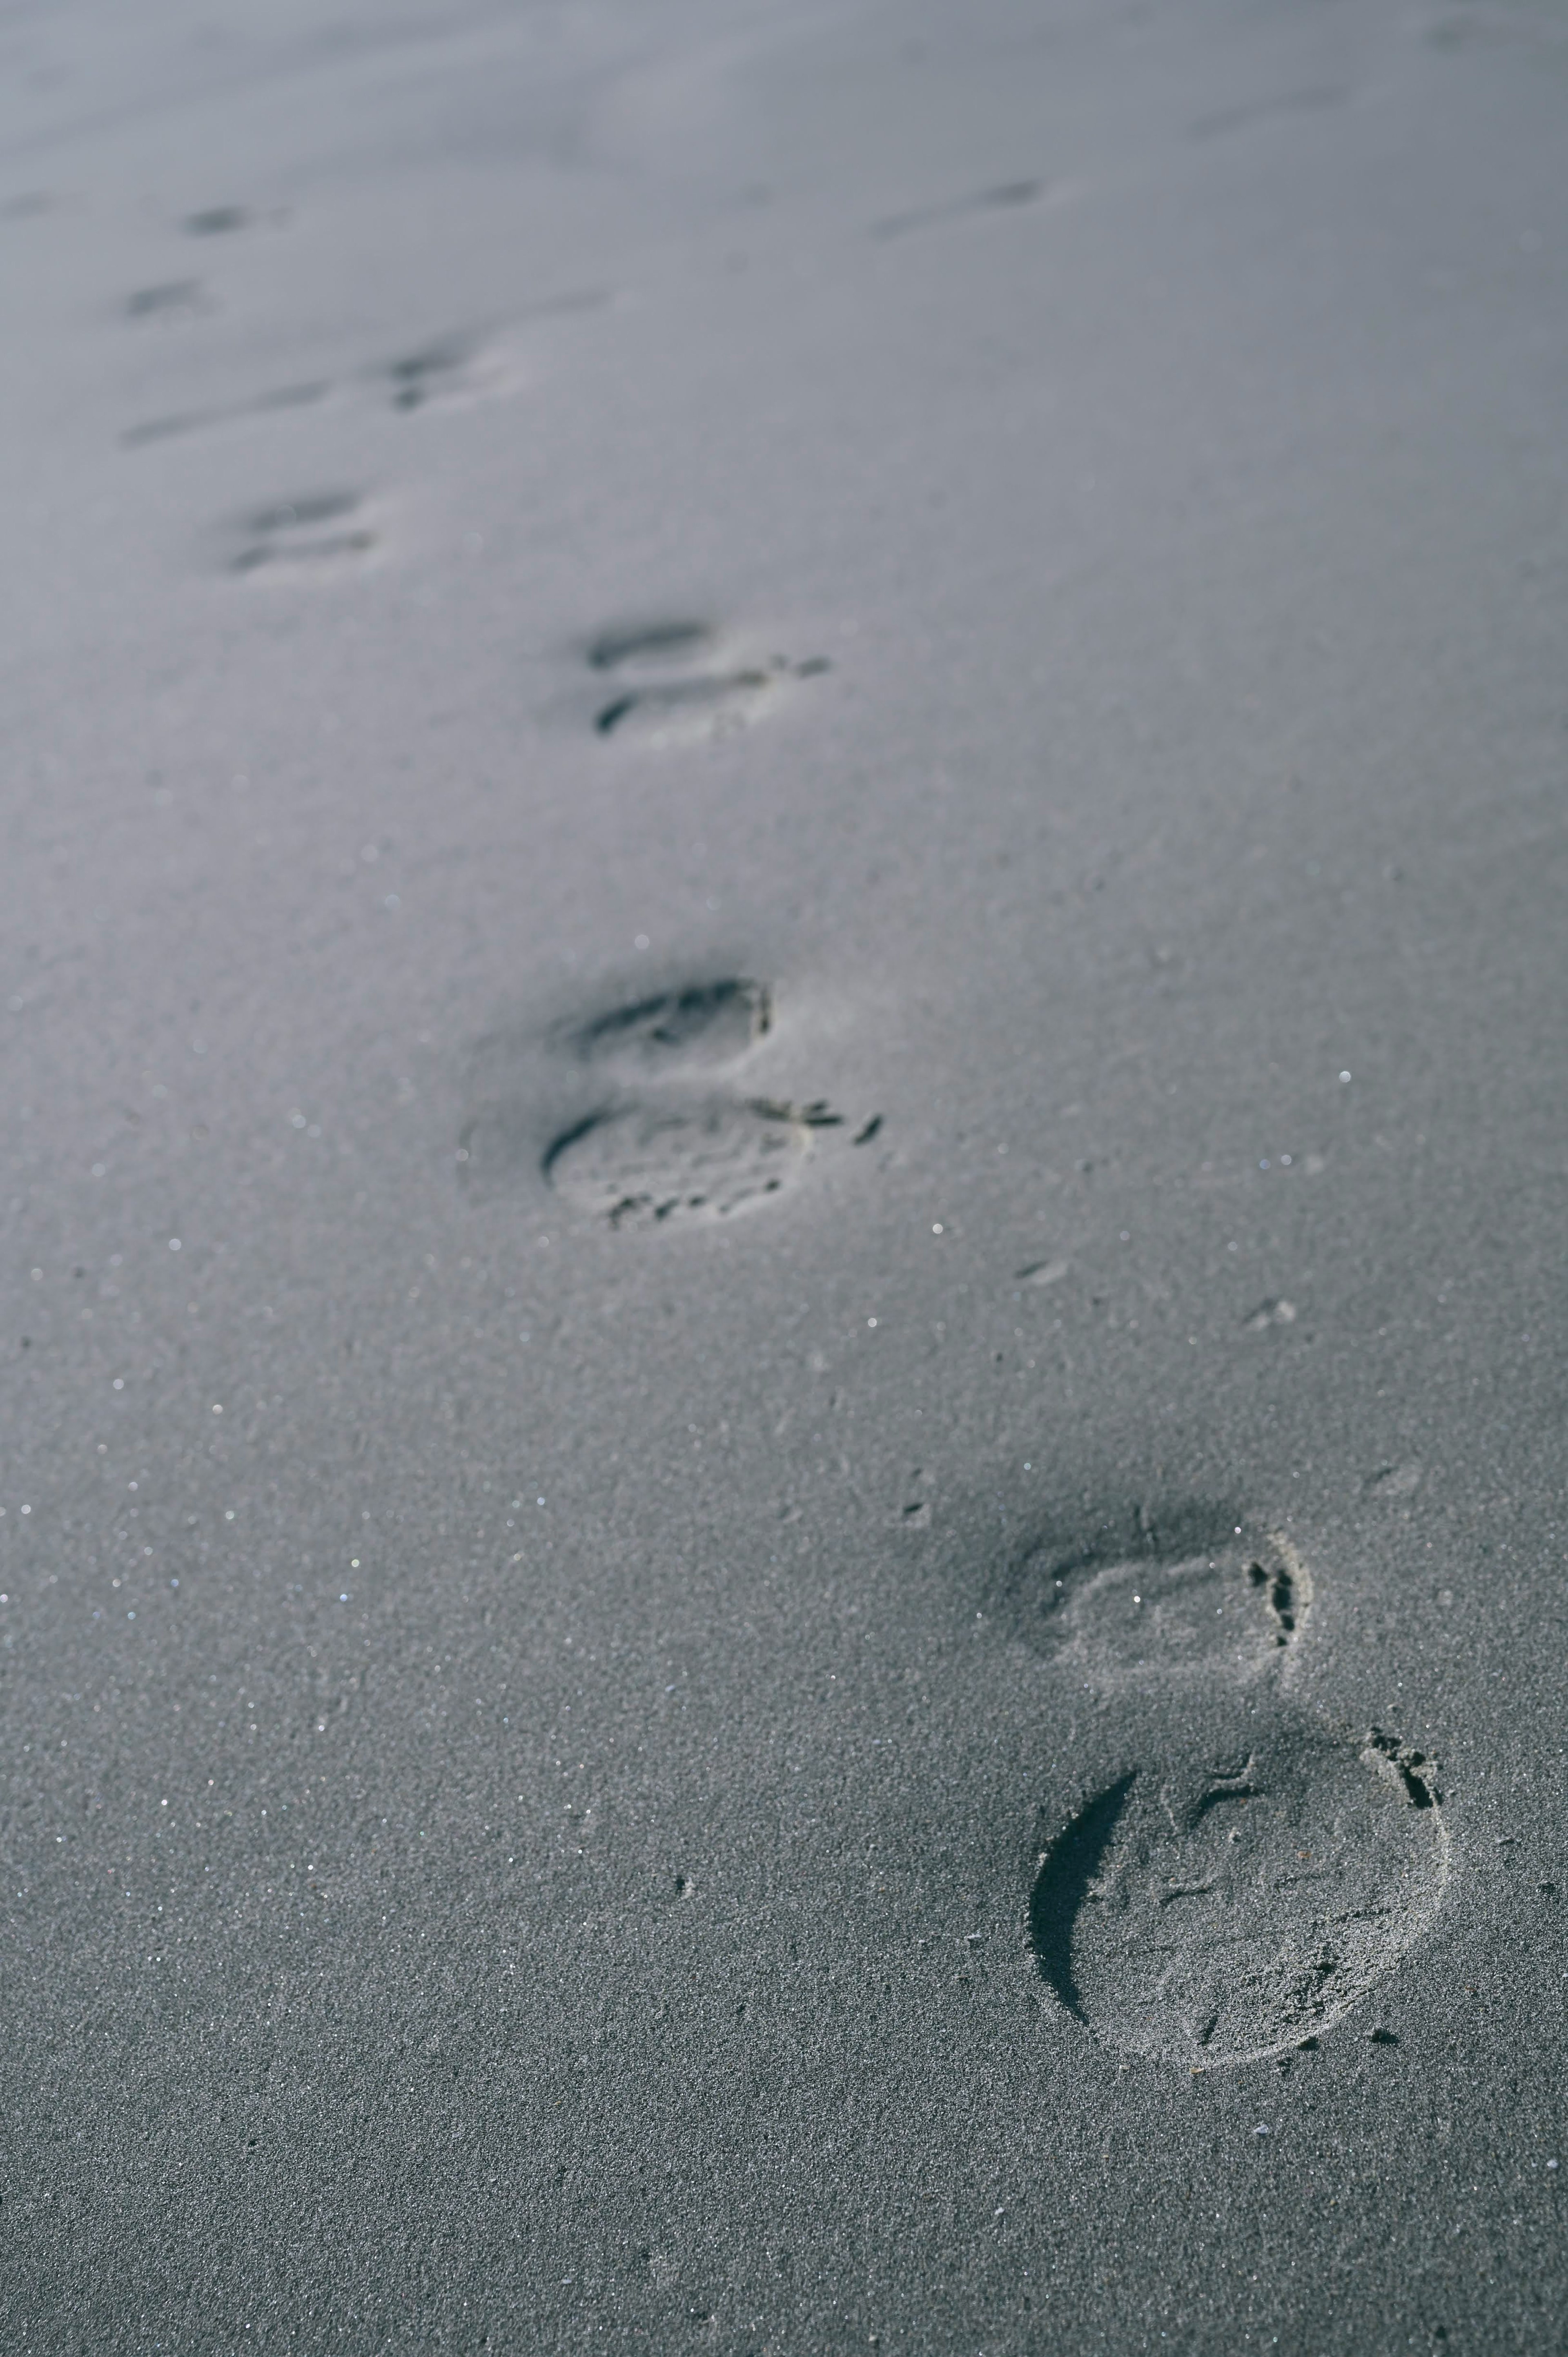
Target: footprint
{"x": 313, "y": 534}
{"x": 1228, "y": 1608}
{"x": 661, "y": 1147}
{"x": 1290, "y": 102}
{"x": 1463, "y": 25}
{"x": 218, "y": 220}
{"x": 680, "y": 711}
{"x": 1273, "y": 1312}
{"x": 1393, "y": 1480}
{"x": 181, "y": 298}
{"x": 1042, "y": 1272}
{"x": 706, "y": 1024}
{"x": 684, "y": 711}
{"x": 455, "y": 369}
{"x": 647, "y": 1165}
{"x": 1249, "y": 1876}
{"x": 689, "y": 696}
{"x": 478, "y": 364}
{"x": 1011, "y": 193}
{"x": 1222, "y": 1916}
{"x": 648, "y": 642}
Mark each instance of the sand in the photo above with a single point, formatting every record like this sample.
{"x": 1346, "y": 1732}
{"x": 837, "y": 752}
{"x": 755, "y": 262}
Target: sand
{"x": 781, "y": 1564}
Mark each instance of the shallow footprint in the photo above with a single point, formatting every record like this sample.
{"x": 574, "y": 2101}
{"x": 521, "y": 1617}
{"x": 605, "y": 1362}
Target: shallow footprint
{"x": 677, "y": 712}
{"x": 457, "y": 370}
{"x": 313, "y": 534}
{"x": 1225, "y": 1610}
{"x": 217, "y": 220}
{"x": 646, "y": 1165}
{"x": 683, "y": 711}
{"x": 1221, "y": 1917}
{"x": 706, "y": 1025}
{"x": 1011, "y": 193}
{"x": 179, "y": 298}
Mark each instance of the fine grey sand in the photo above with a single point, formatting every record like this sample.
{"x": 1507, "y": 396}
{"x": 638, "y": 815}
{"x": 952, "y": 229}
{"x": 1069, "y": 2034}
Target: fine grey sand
{"x": 782, "y": 1546}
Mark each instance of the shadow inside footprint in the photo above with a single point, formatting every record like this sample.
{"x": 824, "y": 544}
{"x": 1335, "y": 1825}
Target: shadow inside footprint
{"x": 1060, "y": 1892}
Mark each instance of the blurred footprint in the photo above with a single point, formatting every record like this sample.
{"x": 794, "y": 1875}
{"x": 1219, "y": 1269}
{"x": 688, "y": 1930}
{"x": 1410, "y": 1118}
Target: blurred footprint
{"x": 685, "y": 695}
{"x": 1007, "y": 196}
{"x": 177, "y": 298}
{"x": 192, "y": 421}
{"x": 314, "y": 533}
{"x": 700, "y": 1025}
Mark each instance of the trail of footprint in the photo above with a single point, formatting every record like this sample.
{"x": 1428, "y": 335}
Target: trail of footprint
{"x": 312, "y": 533}
{"x": 1010, "y": 195}
{"x": 1242, "y": 1886}
{"x": 459, "y": 368}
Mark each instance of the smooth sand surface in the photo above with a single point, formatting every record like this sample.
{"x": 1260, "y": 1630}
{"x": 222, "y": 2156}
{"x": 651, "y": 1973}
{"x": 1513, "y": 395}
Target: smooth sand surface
{"x": 784, "y": 859}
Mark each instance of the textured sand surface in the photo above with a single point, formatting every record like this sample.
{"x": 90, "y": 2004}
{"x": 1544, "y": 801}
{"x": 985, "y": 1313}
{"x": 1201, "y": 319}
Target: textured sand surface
{"x": 782, "y": 1560}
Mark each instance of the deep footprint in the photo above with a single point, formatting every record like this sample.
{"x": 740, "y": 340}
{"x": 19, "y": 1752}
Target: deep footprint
{"x": 646, "y": 1167}
{"x": 706, "y": 1025}
{"x": 1224, "y": 1916}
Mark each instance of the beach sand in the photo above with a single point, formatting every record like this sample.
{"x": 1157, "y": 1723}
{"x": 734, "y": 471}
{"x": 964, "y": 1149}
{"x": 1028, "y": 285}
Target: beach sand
{"x": 781, "y": 1562}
